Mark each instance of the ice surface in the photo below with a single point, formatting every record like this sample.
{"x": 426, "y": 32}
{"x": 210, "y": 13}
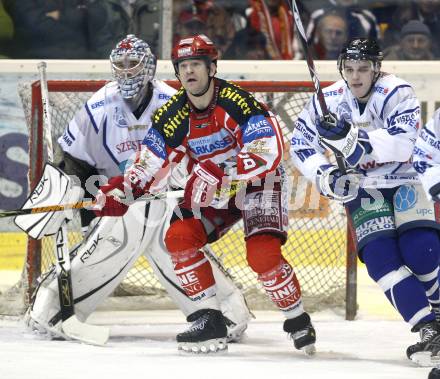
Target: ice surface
{"x": 142, "y": 345}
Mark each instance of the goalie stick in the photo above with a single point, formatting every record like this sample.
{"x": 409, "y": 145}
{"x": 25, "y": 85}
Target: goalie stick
{"x": 70, "y": 325}
{"x": 317, "y": 84}
{"x": 83, "y": 204}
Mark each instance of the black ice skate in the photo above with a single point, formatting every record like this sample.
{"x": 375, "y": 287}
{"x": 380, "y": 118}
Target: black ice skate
{"x": 427, "y": 351}
{"x": 301, "y": 330}
{"x": 207, "y": 334}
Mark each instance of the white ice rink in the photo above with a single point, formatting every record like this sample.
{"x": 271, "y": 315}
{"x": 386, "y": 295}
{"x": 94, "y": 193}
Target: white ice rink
{"x": 142, "y": 346}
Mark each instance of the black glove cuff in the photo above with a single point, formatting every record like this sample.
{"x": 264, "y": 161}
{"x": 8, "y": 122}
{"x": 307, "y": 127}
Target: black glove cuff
{"x": 434, "y": 191}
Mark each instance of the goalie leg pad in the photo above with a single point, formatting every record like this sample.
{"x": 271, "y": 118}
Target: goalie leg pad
{"x": 99, "y": 265}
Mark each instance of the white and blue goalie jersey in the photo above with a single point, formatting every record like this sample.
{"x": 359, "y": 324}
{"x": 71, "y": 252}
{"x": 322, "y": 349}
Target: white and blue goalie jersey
{"x": 105, "y": 133}
{"x": 391, "y": 118}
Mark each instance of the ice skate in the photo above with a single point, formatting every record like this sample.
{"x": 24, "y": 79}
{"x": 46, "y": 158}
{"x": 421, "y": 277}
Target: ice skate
{"x": 301, "y": 330}
{"x": 426, "y": 352}
{"x": 207, "y": 334}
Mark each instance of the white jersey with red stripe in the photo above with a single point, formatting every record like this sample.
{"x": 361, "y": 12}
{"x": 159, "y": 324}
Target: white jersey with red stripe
{"x": 391, "y": 118}
{"x": 427, "y": 155}
{"x": 236, "y": 132}
{"x": 105, "y": 133}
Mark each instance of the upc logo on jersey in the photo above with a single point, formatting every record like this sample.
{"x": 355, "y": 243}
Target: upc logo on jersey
{"x": 405, "y": 198}
{"x": 155, "y": 142}
{"x": 212, "y": 143}
{"x": 257, "y": 127}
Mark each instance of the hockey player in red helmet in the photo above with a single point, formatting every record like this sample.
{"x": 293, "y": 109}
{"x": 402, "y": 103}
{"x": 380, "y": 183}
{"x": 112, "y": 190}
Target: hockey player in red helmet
{"x": 200, "y": 55}
{"x": 234, "y": 149}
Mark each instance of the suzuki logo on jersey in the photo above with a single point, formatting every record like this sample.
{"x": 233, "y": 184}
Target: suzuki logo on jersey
{"x": 155, "y": 142}
{"x": 209, "y": 144}
{"x": 257, "y": 127}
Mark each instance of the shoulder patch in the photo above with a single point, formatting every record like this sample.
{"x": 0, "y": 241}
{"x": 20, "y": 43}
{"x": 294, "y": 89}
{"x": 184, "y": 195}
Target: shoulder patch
{"x": 238, "y": 103}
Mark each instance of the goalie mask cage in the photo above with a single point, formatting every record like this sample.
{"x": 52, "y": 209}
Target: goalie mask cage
{"x": 319, "y": 246}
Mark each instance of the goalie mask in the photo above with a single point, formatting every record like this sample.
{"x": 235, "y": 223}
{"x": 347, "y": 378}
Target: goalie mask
{"x": 133, "y": 65}
{"x": 362, "y": 49}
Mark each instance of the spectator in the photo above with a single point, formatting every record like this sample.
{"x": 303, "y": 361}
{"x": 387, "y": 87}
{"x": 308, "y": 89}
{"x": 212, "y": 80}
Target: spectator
{"x": 138, "y": 17}
{"x": 360, "y": 21}
{"x": 248, "y": 44}
{"x": 274, "y": 19}
{"x": 331, "y": 35}
{"x": 6, "y": 31}
{"x": 55, "y": 29}
{"x": 415, "y": 43}
{"x": 211, "y": 19}
{"x": 427, "y": 11}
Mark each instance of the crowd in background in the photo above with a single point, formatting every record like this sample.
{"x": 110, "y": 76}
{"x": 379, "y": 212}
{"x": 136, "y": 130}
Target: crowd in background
{"x": 242, "y": 29}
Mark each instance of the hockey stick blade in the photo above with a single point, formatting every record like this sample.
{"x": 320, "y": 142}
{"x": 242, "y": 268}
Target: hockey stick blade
{"x": 91, "y": 334}
{"x": 82, "y": 204}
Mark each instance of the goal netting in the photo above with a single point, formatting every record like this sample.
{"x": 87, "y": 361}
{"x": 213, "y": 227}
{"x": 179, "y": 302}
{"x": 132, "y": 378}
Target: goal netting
{"x": 317, "y": 246}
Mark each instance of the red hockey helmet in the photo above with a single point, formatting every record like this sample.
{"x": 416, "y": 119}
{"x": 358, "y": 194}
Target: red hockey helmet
{"x": 199, "y": 46}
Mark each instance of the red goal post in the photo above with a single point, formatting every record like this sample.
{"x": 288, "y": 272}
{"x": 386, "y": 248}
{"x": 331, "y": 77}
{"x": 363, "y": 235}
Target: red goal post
{"x": 319, "y": 245}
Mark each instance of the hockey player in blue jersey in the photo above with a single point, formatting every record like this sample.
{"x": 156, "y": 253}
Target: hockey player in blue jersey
{"x": 373, "y": 126}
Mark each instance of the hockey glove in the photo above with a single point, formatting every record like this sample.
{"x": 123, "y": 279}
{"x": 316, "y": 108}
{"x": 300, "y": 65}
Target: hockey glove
{"x": 340, "y": 136}
{"x": 201, "y": 186}
{"x": 110, "y": 198}
{"x": 434, "y": 191}
{"x": 336, "y": 186}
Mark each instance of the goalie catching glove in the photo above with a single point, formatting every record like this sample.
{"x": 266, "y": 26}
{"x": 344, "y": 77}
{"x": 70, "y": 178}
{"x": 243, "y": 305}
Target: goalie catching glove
{"x": 205, "y": 180}
{"x": 340, "y": 136}
{"x": 336, "y": 186}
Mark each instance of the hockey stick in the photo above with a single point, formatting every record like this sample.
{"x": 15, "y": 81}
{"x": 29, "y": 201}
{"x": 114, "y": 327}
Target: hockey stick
{"x": 83, "y": 204}
{"x": 70, "y": 325}
{"x": 317, "y": 84}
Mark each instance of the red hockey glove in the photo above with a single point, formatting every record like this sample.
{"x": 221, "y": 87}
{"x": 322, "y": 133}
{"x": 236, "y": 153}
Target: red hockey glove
{"x": 111, "y": 197}
{"x": 201, "y": 186}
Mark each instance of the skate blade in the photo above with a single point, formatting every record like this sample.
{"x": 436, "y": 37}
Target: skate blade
{"x": 206, "y": 347}
{"x": 425, "y": 359}
{"x": 309, "y": 350}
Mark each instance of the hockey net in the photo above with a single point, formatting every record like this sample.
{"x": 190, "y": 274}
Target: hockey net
{"x": 318, "y": 246}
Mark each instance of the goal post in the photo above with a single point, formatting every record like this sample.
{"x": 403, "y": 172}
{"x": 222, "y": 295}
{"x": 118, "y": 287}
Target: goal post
{"x": 319, "y": 246}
